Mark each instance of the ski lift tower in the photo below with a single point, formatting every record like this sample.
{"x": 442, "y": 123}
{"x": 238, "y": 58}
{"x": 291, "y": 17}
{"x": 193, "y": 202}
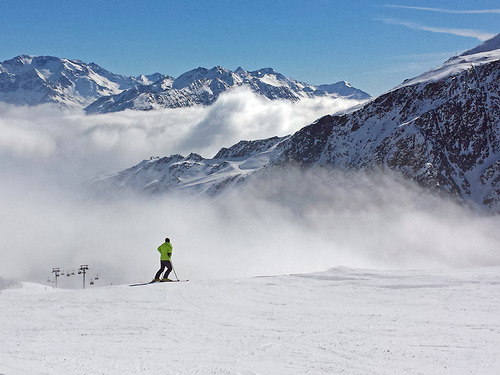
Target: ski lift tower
{"x": 83, "y": 269}
{"x": 57, "y": 272}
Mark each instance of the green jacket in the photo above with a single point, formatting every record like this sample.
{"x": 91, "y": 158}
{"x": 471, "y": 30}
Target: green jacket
{"x": 165, "y": 250}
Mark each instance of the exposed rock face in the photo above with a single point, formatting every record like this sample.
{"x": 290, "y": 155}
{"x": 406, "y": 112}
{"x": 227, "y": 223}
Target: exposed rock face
{"x": 443, "y": 134}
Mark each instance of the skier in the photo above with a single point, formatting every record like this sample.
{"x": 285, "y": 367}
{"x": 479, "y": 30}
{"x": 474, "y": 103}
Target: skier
{"x": 165, "y": 250}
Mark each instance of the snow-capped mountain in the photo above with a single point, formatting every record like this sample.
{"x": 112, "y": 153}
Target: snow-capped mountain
{"x": 203, "y": 86}
{"x": 441, "y": 129}
{"x": 32, "y": 80}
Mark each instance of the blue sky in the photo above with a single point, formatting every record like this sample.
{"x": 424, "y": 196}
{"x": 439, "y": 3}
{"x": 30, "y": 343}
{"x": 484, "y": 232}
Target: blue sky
{"x": 373, "y": 44}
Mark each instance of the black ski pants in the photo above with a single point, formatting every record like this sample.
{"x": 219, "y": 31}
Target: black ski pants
{"x": 164, "y": 264}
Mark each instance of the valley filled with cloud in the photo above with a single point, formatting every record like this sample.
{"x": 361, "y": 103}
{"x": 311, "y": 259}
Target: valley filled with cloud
{"x": 288, "y": 222}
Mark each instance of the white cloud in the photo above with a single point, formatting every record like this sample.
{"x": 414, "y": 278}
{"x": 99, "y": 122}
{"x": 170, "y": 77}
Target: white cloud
{"x": 480, "y": 35}
{"x": 452, "y": 11}
{"x": 69, "y": 141}
{"x": 242, "y": 115}
{"x": 23, "y": 142}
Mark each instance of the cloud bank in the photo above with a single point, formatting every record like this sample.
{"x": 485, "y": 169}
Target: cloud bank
{"x": 44, "y": 138}
{"x": 290, "y": 222}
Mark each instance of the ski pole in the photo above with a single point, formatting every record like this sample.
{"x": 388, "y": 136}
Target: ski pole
{"x": 173, "y": 269}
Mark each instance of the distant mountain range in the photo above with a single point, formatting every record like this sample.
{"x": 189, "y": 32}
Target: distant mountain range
{"x": 440, "y": 129}
{"x": 33, "y": 80}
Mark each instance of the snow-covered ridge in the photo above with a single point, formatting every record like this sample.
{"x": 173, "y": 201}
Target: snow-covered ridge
{"x": 486, "y": 53}
{"x": 194, "y": 173}
{"x": 487, "y": 46}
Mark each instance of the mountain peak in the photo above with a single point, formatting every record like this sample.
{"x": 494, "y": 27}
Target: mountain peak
{"x": 345, "y": 89}
{"x": 264, "y": 71}
{"x": 189, "y": 77}
{"x": 23, "y": 59}
{"x": 268, "y": 71}
{"x": 69, "y": 83}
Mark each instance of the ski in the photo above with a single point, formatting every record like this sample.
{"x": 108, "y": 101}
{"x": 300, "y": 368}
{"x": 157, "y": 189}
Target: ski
{"x": 139, "y": 284}
{"x": 159, "y": 282}
{"x": 174, "y": 281}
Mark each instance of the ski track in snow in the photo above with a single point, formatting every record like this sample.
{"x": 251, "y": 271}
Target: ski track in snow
{"x": 342, "y": 321}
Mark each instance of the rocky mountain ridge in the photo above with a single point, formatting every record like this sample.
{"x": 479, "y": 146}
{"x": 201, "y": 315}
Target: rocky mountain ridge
{"x": 33, "y": 80}
{"x": 203, "y": 86}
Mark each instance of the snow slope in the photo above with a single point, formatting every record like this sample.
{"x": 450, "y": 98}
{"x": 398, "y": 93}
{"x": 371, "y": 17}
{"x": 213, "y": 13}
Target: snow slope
{"x": 454, "y": 66}
{"x": 343, "y": 321}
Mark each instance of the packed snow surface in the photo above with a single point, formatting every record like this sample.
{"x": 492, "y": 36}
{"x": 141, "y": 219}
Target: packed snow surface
{"x": 343, "y": 321}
